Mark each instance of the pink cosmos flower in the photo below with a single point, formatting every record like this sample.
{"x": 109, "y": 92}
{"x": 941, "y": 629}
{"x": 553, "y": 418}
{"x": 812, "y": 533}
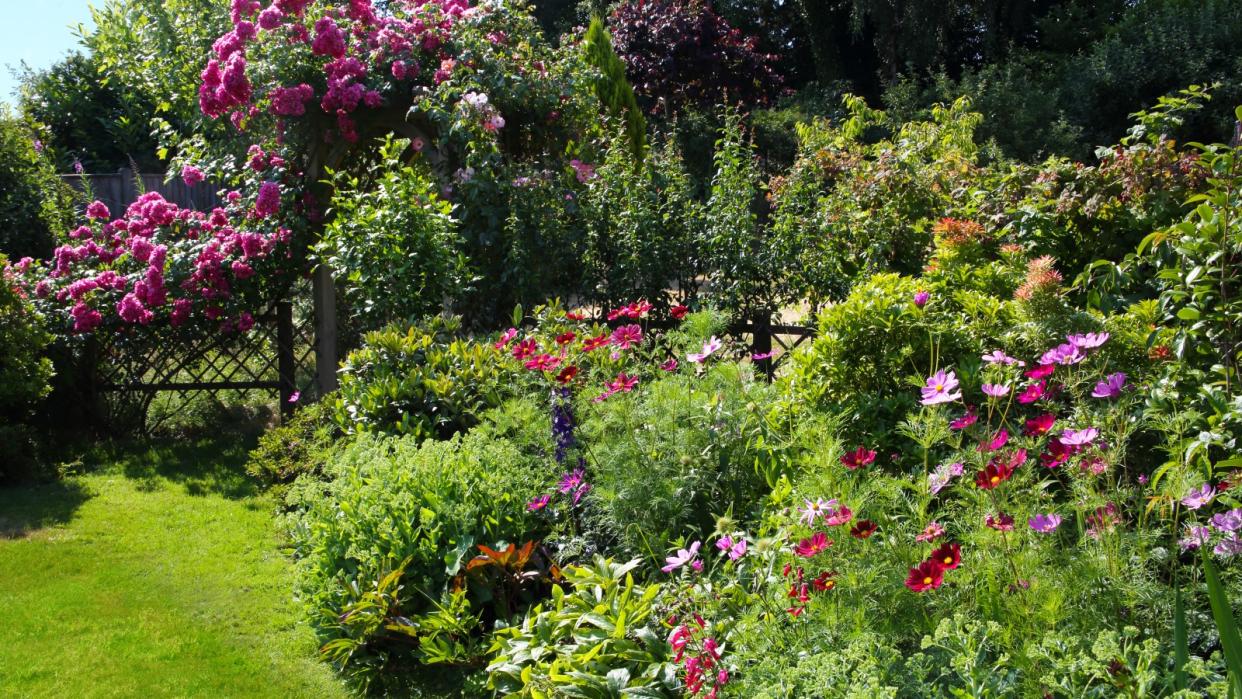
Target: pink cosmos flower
{"x": 1001, "y": 523}
{"x": 670, "y": 365}
{"x": 931, "y": 532}
{"x": 1039, "y": 425}
{"x": 593, "y": 343}
{"x": 812, "y": 511}
{"x": 838, "y": 516}
{"x": 966, "y": 420}
{"x": 1032, "y": 393}
{"x": 940, "y": 388}
{"x": 543, "y": 362}
{"x": 709, "y": 348}
{"x": 921, "y": 298}
{"x": 623, "y": 383}
{"x": 759, "y": 357}
{"x": 998, "y": 440}
{"x": 1110, "y": 387}
{"x": 995, "y": 390}
{"x": 570, "y": 481}
{"x": 735, "y": 549}
{"x": 1230, "y": 521}
{"x": 505, "y": 338}
{"x": 943, "y": 475}
{"x": 1066, "y": 353}
{"x": 681, "y": 558}
{"x": 1045, "y": 523}
{"x": 1079, "y": 438}
{"x": 525, "y": 348}
{"x": 1088, "y": 341}
{"x": 1229, "y": 546}
{"x": 538, "y": 503}
{"x": 1042, "y": 371}
{"x": 999, "y": 357}
{"x": 812, "y": 545}
{"x": 1196, "y": 536}
{"x": 295, "y": 397}
{"x": 1198, "y": 497}
{"x": 627, "y": 336}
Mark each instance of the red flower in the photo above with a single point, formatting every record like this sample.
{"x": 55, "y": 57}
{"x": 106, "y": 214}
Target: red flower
{"x": 993, "y": 475}
{"x": 824, "y": 582}
{"x": 1057, "y": 453}
{"x": 624, "y": 383}
{"x": 594, "y": 343}
{"x": 795, "y": 612}
{"x": 543, "y": 362}
{"x": 566, "y": 338}
{"x": 925, "y": 576}
{"x": 949, "y": 555}
{"x": 816, "y": 543}
{"x": 525, "y": 348}
{"x": 1032, "y": 393}
{"x": 679, "y": 311}
{"x": 1039, "y": 425}
{"x": 858, "y": 458}
{"x": 1001, "y": 522}
{"x": 567, "y": 374}
{"x": 799, "y": 592}
{"x": 863, "y": 529}
{"x": 575, "y": 315}
{"x": 966, "y": 420}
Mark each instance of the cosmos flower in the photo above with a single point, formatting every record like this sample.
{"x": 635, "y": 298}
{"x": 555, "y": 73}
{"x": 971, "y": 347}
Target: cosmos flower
{"x": 812, "y": 545}
{"x": 995, "y": 473}
{"x": 1039, "y": 425}
{"x": 735, "y": 549}
{"x": 995, "y": 390}
{"x": 1079, "y": 438}
{"x": 921, "y": 298}
{"x": 627, "y": 336}
{"x": 1066, "y": 353}
{"x": 997, "y": 441}
{"x": 949, "y": 555}
{"x": 1001, "y": 522}
{"x": 538, "y": 503}
{"x": 1045, "y": 523}
{"x": 1042, "y": 371}
{"x": 1196, "y": 536}
{"x": 567, "y": 374}
{"x": 1198, "y": 497}
{"x": 1032, "y": 392}
{"x": 812, "y": 511}
{"x": 505, "y": 338}
{"x": 863, "y": 529}
{"x": 1229, "y": 546}
{"x": 679, "y": 311}
{"x": 940, "y": 388}
{"x": 858, "y": 458}
{"x": 670, "y": 365}
{"x": 1088, "y": 341}
{"x": 709, "y": 348}
{"x": 999, "y": 357}
{"x": 927, "y": 575}
{"x": 970, "y": 418}
{"x": 681, "y": 558}
{"x": 931, "y": 532}
{"x": 838, "y": 516}
{"x": 944, "y": 473}
{"x": 760, "y": 356}
{"x": 623, "y": 383}
{"x": 1230, "y": 521}
{"x": 593, "y": 343}
{"x": 1110, "y": 387}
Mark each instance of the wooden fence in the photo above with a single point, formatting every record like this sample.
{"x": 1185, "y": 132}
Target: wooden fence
{"x": 120, "y": 189}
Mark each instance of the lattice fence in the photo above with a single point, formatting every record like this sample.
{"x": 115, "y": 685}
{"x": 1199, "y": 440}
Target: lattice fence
{"x": 276, "y": 356}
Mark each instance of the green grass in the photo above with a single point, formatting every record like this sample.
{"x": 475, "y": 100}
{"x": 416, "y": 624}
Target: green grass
{"x": 158, "y": 573}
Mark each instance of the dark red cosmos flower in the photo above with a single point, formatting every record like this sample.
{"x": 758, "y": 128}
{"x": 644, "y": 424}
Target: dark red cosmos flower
{"x": 998, "y": 440}
{"x": 593, "y": 343}
{"x": 575, "y": 315}
{"x": 824, "y": 581}
{"x": 1057, "y": 453}
{"x": 1001, "y": 522}
{"x": 863, "y": 529}
{"x": 1039, "y": 425}
{"x": 925, "y": 576}
{"x": 566, "y": 338}
{"x": 542, "y": 362}
{"x": 567, "y": 374}
{"x": 812, "y": 545}
{"x": 624, "y": 383}
{"x": 858, "y": 458}
{"x": 1042, "y": 371}
{"x": 679, "y": 311}
{"x": 994, "y": 474}
{"x": 949, "y": 555}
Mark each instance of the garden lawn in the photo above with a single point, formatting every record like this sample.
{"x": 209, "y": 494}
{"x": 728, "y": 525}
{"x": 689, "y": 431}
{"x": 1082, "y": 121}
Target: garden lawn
{"x": 157, "y": 573}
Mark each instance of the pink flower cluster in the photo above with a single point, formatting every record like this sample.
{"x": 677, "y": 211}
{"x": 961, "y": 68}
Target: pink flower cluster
{"x": 124, "y": 263}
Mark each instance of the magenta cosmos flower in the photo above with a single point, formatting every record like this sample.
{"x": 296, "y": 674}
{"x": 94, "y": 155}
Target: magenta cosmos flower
{"x": 999, "y": 357}
{"x": 1110, "y": 387}
{"x": 627, "y": 336}
{"x": 1230, "y": 521}
{"x": 681, "y": 558}
{"x": 941, "y": 388}
{"x": 921, "y": 298}
{"x": 1067, "y": 353}
{"x": 734, "y": 548}
{"x": 1045, "y": 524}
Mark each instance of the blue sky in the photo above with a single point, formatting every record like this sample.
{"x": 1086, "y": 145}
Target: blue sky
{"x": 38, "y": 32}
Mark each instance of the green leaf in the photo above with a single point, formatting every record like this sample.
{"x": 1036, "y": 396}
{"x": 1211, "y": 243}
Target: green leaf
{"x": 1188, "y": 314}
{"x": 1226, "y": 626}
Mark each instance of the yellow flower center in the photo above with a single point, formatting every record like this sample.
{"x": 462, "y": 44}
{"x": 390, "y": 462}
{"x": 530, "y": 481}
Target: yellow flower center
{"x": 948, "y": 560}
{"x": 939, "y": 387}
{"x": 995, "y": 480}
{"x": 927, "y": 580}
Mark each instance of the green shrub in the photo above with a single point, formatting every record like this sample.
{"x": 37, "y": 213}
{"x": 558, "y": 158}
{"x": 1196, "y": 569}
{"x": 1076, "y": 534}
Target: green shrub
{"x": 25, "y": 372}
{"x": 665, "y": 461}
{"x": 419, "y": 380}
{"x": 300, "y": 445}
{"x": 599, "y": 638}
{"x": 394, "y": 521}
{"x": 392, "y": 243}
{"x": 35, "y": 206}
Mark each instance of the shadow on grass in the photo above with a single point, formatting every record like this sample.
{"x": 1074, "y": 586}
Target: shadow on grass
{"x": 24, "y": 510}
{"x": 202, "y": 466}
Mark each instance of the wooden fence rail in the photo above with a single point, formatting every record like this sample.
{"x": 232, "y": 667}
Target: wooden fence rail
{"x": 120, "y": 189}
